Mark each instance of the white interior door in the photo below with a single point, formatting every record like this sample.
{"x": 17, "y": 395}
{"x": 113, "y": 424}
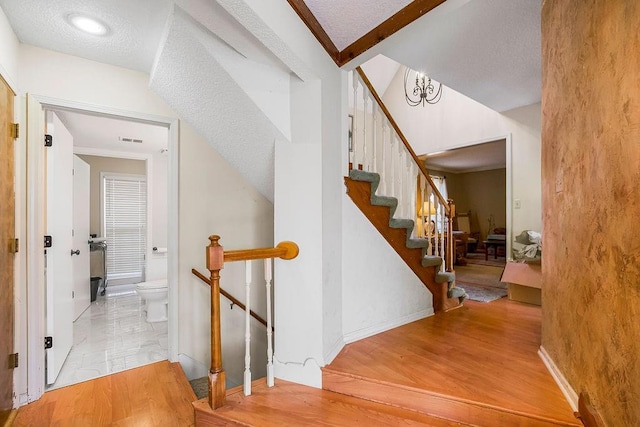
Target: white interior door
{"x": 59, "y": 223}
{"x": 81, "y": 273}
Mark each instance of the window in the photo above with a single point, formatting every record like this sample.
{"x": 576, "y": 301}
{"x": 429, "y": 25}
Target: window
{"x": 124, "y": 225}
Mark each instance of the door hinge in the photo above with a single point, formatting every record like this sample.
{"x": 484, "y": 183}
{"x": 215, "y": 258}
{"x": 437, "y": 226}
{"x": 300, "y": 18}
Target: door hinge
{"x": 13, "y": 360}
{"x": 15, "y": 246}
{"x": 48, "y": 342}
{"x": 48, "y": 241}
{"x": 48, "y": 140}
{"x": 15, "y": 130}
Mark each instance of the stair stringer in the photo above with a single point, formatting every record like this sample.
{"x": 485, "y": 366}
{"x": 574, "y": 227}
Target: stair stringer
{"x": 361, "y": 187}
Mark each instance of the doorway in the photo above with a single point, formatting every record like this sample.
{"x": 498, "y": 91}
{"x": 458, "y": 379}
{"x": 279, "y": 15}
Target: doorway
{"x": 35, "y": 105}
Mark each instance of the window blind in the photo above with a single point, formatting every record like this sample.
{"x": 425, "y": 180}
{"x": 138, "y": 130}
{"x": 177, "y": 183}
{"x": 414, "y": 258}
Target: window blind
{"x": 125, "y": 223}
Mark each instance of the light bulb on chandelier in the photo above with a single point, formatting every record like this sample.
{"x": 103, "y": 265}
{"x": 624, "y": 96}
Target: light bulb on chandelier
{"x": 424, "y": 92}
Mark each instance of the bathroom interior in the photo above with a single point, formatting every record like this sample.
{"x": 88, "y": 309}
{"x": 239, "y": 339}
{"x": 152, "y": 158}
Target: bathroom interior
{"x": 121, "y": 322}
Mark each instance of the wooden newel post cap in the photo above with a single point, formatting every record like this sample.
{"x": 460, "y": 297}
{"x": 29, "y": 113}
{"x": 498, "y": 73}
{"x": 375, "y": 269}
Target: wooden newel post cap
{"x": 215, "y": 254}
{"x": 291, "y": 247}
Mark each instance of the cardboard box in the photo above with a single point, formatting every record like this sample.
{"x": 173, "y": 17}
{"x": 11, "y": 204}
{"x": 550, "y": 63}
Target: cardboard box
{"x": 525, "y": 282}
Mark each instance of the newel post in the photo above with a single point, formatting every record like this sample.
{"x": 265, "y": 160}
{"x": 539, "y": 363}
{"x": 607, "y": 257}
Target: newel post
{"x": 215, "y": 263}
{"x": 451, "y": 250}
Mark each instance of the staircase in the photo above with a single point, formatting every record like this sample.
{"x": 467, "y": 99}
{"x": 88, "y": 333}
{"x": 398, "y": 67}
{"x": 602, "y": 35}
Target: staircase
{"x": 361, "y": 188}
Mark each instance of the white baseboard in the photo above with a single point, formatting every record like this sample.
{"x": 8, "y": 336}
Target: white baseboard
{"x": 390, "y": 324}
{"x": 192, "y": 368}
{"x": 333, "y": 352}
{"x": 565, "y": 387}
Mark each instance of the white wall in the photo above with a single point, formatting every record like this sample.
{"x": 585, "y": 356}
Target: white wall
{"x": 380, "y": 291}
{"x": 8, "y": 53}
{"x": 236, "y": 211}
{"x": 157, "y": 264}
{"x": 457, "y": 121}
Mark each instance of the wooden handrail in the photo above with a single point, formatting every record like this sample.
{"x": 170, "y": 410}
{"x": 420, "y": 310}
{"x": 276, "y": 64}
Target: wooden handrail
{"x": 215, "y": 259}
{"x": 230, "y": 297}
{"x": 423, "y": 169}
{"x": 284, "y": 250}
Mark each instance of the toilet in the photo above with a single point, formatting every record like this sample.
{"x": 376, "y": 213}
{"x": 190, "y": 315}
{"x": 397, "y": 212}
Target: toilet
{"x": 155, "y": 294}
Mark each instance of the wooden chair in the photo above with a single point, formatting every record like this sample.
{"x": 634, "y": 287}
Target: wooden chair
{"x": 462, "y": 222}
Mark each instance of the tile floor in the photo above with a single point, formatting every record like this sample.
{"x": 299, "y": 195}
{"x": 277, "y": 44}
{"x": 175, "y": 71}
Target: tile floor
{"x": 112, "y": 335}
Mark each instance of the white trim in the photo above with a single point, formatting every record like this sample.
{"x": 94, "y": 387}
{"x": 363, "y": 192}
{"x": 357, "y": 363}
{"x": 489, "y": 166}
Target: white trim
{"x": 101, "y": 152}
{"x": 334, "y": 350}
{"x": 390, "y": 324}
{"x": 35, "y": 231}
{"x": 565, "y": 387}
{"x": 509, "y": 180}
{"x": 35, "y": 282}
{"x": 509, "y": 196}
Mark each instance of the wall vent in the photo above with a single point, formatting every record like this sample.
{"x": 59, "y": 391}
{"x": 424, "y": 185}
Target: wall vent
{"x": 125, "y": 139}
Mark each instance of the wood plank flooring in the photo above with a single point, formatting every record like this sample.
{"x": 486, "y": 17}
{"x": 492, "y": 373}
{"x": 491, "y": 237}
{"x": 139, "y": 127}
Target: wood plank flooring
{"x": 289, "y": 404}
{"x": 480, "y": 359}
{"x": 152, "y": 395}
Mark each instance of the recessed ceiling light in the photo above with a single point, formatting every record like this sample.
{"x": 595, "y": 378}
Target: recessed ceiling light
{"x": 88, "y": 24}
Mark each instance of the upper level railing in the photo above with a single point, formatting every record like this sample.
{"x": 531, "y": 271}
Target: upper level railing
{"x": 378, "y": 145}
{"x": 216, "y": 256}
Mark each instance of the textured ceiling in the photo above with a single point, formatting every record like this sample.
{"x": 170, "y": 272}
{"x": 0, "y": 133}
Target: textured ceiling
{"x": 491, "y": 155}
{"x": 136, "y": 28}
{"x": 347, "y": 21}
{"x": 97, "y": 132}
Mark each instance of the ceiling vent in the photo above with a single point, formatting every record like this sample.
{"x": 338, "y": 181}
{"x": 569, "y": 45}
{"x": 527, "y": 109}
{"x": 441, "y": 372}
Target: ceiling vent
{"x": 124, "y": 139}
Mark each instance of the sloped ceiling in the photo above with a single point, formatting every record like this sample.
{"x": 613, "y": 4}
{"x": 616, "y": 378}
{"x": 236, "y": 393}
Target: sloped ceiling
{"x": 347, "y": 21}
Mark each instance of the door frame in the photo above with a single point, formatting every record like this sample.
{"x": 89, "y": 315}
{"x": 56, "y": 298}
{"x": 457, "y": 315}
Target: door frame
{"x": 509, "y": 179}
{"x": 34, "y": 227}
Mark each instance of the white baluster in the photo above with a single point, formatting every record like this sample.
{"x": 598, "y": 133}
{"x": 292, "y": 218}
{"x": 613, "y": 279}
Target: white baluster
{"x": 392, "y": 164}
{"x": 268, "y": 276}
{"x": 401, "y": 204}
{"x": 412, "y": 194}
{"x": 247, "y": 330}
{"x": 442, "y": 231}
{"x": 375, "y": 137}
{"x": 430, "y": 231}
{"x": 384, "y": 174}
{"x": 365, "y": 100}
{"x": 354, "y": 133}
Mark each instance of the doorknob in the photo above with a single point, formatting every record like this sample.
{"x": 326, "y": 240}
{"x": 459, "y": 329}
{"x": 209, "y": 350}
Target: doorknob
{"x": 76, "y": 252}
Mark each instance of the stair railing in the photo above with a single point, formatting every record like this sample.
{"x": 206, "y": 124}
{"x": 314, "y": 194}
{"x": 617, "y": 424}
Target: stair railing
{"x": 216, "y": 256}
{"x": 378, "y": 145}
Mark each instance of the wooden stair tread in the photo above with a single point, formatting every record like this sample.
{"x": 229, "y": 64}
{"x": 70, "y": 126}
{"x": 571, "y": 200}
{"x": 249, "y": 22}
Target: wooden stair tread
{"x": 481, "y": 358}
{"x": 289, "y": 404}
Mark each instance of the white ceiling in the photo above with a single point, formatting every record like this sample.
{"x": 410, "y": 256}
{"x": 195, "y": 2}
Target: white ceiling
{"x": 347, "y": 21}
{"x": 136, "y": 28}
{"x": 103, "y": 133}
{"x": 487, "y": 156}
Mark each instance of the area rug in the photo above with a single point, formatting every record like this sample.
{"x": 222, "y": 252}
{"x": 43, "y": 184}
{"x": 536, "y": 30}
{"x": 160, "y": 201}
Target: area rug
{"x": 482, "y": 293}
{"x": 478, "y": 259}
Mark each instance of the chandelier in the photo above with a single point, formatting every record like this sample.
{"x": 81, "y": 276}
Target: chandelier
{"x": 424, "y": 91}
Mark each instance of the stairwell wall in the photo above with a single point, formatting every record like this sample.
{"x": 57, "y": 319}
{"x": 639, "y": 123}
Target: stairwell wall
{"x": 308, "y": 300}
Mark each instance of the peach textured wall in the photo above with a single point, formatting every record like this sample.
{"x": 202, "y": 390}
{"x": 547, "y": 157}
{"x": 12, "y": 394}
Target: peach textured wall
{"x": 591, "y": 201}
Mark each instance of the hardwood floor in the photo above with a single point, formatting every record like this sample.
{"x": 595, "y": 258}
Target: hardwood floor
{"x": 477, "y": 364}
{"x": 289, "y": 404}
{"x": 152, "y": 395}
